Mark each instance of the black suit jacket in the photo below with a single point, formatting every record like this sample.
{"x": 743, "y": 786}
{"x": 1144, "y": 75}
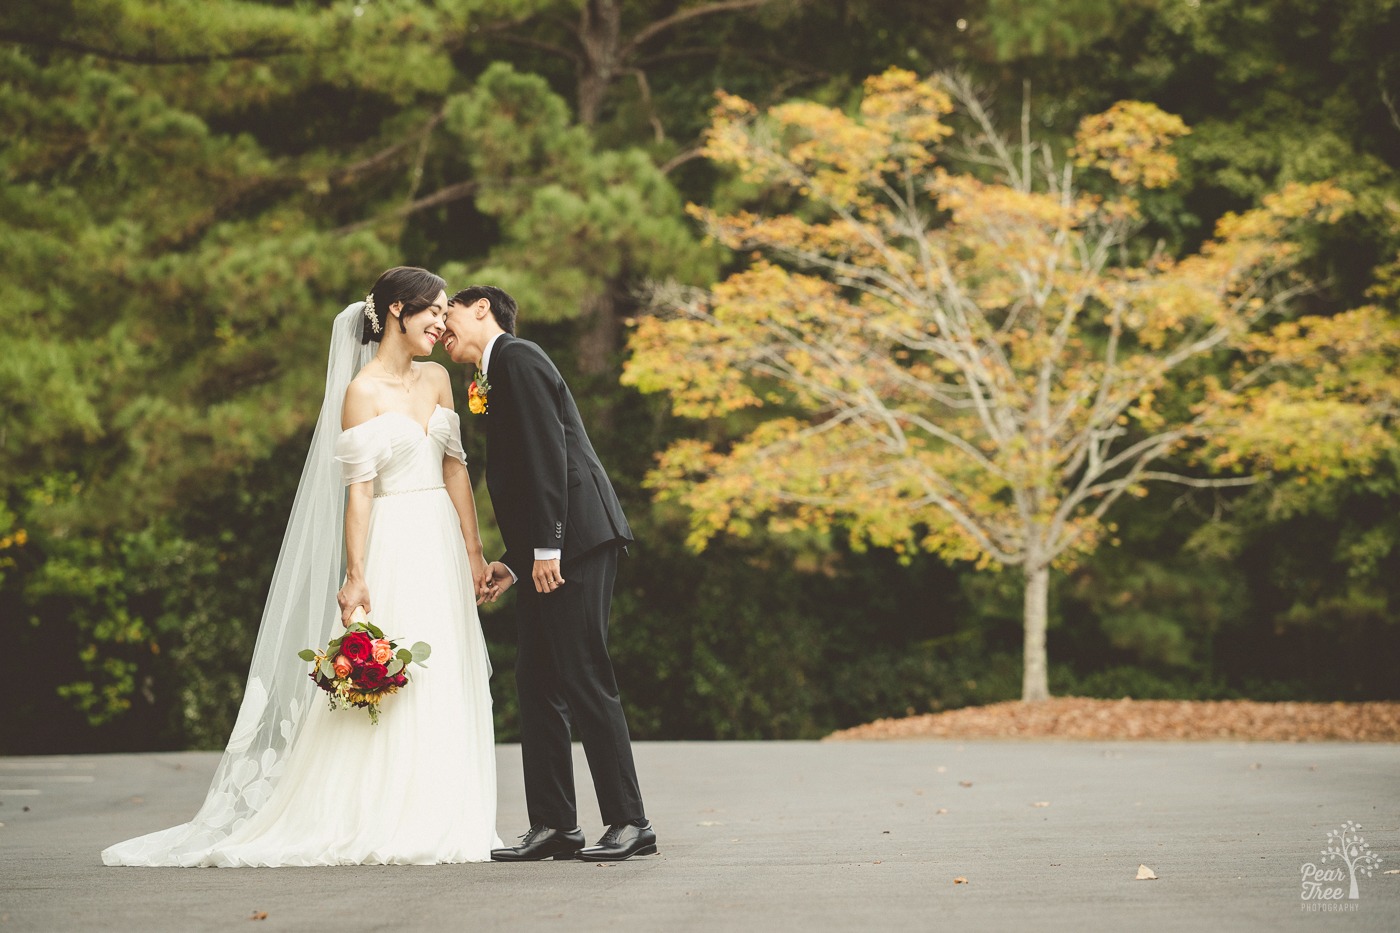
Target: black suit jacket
{"x": 547, "y": 486}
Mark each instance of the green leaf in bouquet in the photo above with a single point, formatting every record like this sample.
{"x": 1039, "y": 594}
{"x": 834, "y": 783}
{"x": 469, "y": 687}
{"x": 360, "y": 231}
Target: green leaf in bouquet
{"x": 404, "y": 655}
{"x": 394, "y": 667}
{"x": 334, "y": 646}
{"x": 421, "y": 651}
{"x": 307, "y": 654}
{"x": 327, "y": 669}
{"x": 374, "y": 630}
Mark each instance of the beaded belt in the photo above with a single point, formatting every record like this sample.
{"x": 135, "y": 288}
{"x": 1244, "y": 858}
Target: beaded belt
{"x": 404, "y": 492}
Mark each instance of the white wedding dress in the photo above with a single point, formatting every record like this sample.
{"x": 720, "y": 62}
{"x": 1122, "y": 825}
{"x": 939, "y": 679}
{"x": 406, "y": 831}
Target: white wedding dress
{"x": 418, "y": 788}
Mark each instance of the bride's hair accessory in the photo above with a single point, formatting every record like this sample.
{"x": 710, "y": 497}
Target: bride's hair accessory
{"x": 369, "y": 312}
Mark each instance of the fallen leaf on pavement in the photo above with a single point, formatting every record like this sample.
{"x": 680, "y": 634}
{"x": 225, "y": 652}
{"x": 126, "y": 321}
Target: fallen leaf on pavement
{"x": 259, "y": 915}
{"x": 965, "y": 783}
{"x": 959, "y": 880}
{"x": 1087, "y": 718}
{"x": 1146, "y": 874}
{"x": 1041, "y": 803}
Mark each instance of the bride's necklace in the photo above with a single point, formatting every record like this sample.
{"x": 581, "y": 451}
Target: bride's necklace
{"x": 399, "y": 377}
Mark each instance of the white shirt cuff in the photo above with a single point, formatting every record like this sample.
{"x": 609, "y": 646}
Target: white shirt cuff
{"x": 513, "y": 578}
{"x": 548, "y": 553}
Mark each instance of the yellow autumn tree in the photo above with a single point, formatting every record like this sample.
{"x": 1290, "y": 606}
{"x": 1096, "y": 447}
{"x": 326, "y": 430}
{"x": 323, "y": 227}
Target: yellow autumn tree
{"x": 975, "y": 363}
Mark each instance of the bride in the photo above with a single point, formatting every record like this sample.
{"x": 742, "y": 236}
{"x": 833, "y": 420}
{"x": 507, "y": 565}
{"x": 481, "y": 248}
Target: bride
{"x": 300, "y": 784}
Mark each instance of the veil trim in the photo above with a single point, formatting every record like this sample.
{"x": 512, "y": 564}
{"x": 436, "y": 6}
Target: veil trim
{"x": 300, "y": 611}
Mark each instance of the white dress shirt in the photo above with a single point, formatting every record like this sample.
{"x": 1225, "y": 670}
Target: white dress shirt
{"x": 486, "y": 355}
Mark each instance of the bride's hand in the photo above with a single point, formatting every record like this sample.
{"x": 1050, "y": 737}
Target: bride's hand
{"x": 480, "y": 572}
{"x": 353, "y": 593}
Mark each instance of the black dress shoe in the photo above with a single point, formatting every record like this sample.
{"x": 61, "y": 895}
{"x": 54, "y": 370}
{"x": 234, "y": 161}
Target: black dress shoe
{"x": 622, "y": 841}
{"x": 542, "y": 842}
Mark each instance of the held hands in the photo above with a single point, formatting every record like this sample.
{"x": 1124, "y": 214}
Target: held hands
{"x": 352, "y": 593}
{"x": 547, "y": 576}
{"x": 492, "y": 584}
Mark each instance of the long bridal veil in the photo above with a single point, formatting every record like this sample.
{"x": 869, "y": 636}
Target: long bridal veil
{"x": 298, "y": 614}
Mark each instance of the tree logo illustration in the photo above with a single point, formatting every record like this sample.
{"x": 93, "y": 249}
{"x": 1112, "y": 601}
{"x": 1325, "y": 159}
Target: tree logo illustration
{"x": 1347, "y": 846}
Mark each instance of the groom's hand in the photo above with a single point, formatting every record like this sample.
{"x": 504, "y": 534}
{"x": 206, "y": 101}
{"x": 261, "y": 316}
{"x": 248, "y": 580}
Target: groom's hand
{"x": 494, "y": 582}
{"x": 547, "y": 576}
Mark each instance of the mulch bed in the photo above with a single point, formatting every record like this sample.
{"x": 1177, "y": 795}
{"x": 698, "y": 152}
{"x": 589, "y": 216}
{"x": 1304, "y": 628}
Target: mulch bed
{"x": 1084, "y": 718}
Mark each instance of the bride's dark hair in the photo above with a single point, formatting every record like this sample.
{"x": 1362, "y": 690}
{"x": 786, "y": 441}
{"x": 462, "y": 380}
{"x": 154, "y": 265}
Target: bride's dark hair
{"x": 416, "y": 288}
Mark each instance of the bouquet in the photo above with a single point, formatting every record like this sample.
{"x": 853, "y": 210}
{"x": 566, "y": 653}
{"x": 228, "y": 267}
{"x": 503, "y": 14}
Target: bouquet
{"x": 362, "y": 667}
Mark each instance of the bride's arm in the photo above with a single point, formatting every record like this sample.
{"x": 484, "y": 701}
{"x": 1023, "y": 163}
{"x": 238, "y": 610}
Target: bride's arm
{"x": 354, "y": 592}
{"x": 358, "y": 408}
{"x": 459, "y": 489}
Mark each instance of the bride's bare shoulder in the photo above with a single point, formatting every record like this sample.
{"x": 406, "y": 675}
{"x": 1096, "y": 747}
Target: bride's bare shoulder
{"x": 440, "y": 379}
{"x": 361, "y": 402}
{"x": 434, "y": 370}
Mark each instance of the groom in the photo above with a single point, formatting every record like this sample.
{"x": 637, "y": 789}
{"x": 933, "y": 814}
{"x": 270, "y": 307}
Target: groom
{"x": 563, "y": 528}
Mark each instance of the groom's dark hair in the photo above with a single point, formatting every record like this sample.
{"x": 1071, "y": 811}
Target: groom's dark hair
{"x": 502, "y": 305}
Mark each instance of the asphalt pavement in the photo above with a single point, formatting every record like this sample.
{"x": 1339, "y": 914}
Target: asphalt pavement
{"x": 812, "y": 836}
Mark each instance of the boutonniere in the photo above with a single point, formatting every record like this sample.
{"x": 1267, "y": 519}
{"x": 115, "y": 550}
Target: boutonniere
{"x": 476, "y": 394}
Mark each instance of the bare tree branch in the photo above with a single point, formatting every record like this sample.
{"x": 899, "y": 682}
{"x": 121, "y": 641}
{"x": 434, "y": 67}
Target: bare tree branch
{"x": 681, "y": 16}
{"x": 682, "y": 157}
{"x": 1386, "y": 97}
{"x": 447, "y": 195}
{"x": 144, "y": 58}
{"x": 530, "y": 42}
{"x": 387, "y": 154}
{"x": 658, "y": 131}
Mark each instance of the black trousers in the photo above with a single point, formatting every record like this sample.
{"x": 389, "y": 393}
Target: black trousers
{"x": 564, "y": 675}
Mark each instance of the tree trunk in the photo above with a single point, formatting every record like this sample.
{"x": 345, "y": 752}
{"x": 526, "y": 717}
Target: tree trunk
{"x": 1035, "y": 683}
{"x": 599, "y": 338}
{"x": 600, "y": 32}
{"x": 600, "y": 332}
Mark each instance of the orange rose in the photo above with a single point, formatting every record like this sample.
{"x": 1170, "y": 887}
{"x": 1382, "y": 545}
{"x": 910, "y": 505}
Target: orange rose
{"x": 342, "y": 665}
{"x": 382, "y": 652}
{"x": 477, "y": 392}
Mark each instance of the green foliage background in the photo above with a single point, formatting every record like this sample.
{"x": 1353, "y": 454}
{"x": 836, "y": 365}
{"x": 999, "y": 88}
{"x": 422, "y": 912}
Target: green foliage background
{"x": 193, "y": 188}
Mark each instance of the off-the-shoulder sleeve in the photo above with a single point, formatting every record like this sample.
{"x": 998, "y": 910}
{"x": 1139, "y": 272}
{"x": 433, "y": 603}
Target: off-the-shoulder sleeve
{"x": 452, "y": 435}
{"x": 362, "y": 452}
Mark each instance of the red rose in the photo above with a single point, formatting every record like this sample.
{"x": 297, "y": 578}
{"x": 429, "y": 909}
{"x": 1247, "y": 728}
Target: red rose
{"x": 399, "y": 679}
{"x": 357, "y": 647}
{"x": 373, "y": 676}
